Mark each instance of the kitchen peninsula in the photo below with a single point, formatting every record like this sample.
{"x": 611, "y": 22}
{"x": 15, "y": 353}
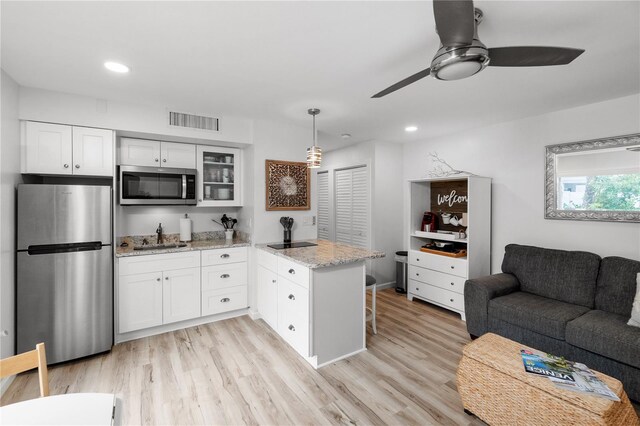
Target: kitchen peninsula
{"x": 314, "y": 297}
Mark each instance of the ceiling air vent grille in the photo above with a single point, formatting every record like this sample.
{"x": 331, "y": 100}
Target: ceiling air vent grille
{"x": 192, "y": 121}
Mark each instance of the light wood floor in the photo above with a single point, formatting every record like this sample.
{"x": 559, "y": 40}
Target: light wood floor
{"x": 239, "y": 371}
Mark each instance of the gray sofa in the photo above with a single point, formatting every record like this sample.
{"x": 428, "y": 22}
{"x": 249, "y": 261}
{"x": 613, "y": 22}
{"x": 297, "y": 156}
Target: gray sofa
{"x": 568, "y": 303}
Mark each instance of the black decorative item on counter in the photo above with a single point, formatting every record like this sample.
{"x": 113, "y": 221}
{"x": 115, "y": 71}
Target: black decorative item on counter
{"x": 287, "y": 223}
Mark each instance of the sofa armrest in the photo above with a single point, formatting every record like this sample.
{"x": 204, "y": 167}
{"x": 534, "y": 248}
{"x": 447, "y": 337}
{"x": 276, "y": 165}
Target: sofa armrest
{"x": 477, "y": 294}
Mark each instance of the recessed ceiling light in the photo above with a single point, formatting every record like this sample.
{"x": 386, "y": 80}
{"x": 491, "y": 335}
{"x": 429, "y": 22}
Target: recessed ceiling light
{"x": 410, "y": 129}
{"x": 345, "y": 135}
{"x": 116, "y": 67}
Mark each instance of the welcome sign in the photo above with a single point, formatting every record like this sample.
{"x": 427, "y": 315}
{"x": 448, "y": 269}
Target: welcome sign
{"x": 449, "y": 196}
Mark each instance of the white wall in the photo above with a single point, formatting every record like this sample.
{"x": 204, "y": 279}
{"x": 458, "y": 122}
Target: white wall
{"x": 143, "y": 220}
{"x": 130, "y": 119}
{"x": 385, "y": 162}
{"x": 9, "y": 177}
{"x": 278, "y": 141}
{"x": 513, "y": 155}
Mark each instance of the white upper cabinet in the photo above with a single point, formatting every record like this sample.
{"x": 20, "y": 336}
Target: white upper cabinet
{"x": 92, "y": 151}
{"x": 219, "y": 176}
{"x": 57, "y": 149}
{"x": 142, "y": 152}
{"x": 179, "y": 155}
{"x": 139, "y": 152}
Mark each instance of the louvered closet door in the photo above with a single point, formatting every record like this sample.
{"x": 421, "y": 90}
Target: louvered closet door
{"x": 323, "y": 205}
{"x": 352, "y": 206}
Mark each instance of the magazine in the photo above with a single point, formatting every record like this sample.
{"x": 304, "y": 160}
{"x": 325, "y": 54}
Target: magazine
{"x": 566, "y": 374}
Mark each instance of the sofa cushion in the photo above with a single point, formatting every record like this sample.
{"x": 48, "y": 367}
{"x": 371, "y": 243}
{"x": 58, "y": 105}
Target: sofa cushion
{"x": 535, "y": 313}
{"x": 567, "y": 276}
{"x": 606, "y": 334}
{"x": 616, "y": 285}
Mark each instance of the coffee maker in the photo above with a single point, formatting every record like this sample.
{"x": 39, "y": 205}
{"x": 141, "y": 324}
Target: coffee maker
{"x": 429, "y": 222}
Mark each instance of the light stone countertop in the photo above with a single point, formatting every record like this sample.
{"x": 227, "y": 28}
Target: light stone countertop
{"x": 214, "y": 243}
{"x": 326, "y": 253}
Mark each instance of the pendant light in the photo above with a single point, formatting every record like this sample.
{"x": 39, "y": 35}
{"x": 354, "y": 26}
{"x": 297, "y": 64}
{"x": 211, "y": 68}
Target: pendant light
{"x": 314, "y": 154}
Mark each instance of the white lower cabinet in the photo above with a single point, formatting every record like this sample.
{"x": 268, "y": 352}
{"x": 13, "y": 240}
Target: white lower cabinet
{"x": 268, "y": 296}
{"x": 139, "y": 301}
{"x": 166, "y": 288}
{"x": 283, "y": 300}
{"x": 180, "y": 295}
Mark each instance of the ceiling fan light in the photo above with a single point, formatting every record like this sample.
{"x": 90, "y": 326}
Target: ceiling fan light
{"x": 314, "y": 157}
{"x": 459, "y": 70}
{"x": 460, "y": 62}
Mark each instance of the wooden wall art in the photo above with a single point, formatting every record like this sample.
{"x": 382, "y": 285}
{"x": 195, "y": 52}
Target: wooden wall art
{"x": 288, "y": 185}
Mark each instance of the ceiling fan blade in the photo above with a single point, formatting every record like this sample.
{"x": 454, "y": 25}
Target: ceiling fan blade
{"x": 407, "y": 81}
{"x": 455, "y": 21}
{"x": 532, "y": 56}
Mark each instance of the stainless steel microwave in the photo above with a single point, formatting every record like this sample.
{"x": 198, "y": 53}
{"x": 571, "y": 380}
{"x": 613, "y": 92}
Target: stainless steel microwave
{"x": 158, "y": 186}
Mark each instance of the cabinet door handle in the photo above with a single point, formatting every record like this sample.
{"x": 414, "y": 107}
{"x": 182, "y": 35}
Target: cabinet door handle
{"x": 158, "y": 279}
{"x": 166, "y": 278}
{"x": 224, "y": 256}
{"x": 164, "y": 160}
{"x": 225, "y": 300}
{"x": 452, "y": 284}
{"x": 77, "y": 166}
{"x": 156, "y": 160}
{"x": 291, "y": 327}
{"x": 66, "y": 166}
{"x": 292, "y": 297}
{"x": 292, "y": 271}
{"x": 451, "y": 300}
{"x": 224, "y": 276}
{"x": 273, "y": 281}
{"x": 417, "y": 289}
{"x": 417, "y": 260}
{"x": 453, "y": 267}
{"x": 417, "y": 274}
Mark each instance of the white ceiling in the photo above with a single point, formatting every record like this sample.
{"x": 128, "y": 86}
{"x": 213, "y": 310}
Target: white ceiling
{"x": 276, "y": 59}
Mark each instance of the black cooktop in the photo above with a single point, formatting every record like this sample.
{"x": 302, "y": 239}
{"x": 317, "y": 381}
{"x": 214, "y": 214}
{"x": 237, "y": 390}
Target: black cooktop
{"x": 291, "y": 245}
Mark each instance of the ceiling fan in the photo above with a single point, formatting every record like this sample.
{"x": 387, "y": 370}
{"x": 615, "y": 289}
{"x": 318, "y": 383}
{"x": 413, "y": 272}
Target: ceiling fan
{"x": 462, "y": 54}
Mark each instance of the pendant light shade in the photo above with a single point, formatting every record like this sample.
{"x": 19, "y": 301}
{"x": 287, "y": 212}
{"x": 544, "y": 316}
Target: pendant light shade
{"x": 314, "y": 153}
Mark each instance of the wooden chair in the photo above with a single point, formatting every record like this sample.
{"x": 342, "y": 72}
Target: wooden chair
{"x": 36, "y": 358}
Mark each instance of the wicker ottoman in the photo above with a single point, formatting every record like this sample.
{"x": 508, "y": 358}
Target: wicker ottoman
{"x": 493, "y": 386}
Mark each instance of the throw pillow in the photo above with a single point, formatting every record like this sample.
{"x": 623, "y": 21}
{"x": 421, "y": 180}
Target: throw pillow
{"x": 635, "y": 310}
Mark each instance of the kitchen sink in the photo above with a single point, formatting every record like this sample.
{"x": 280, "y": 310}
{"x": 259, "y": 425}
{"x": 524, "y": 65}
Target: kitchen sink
{"x": 160, "y": 246}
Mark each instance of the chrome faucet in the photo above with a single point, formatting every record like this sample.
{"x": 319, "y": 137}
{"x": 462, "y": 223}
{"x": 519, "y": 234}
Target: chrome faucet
{"x": 159, "y": 232}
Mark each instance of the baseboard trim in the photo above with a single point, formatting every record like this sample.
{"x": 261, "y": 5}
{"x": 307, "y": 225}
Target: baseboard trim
{"x": 255, "y": 315}
{"x": 390, "y": 284}
{"x": 5, "y": 383}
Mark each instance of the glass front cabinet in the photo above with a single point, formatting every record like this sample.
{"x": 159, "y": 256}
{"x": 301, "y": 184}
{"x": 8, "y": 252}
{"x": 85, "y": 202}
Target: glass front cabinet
{"x": 219, "y": 176}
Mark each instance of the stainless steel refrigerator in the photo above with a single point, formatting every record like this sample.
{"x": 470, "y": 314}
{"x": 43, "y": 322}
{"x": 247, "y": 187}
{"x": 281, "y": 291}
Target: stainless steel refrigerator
{"x": 64, "y": 270}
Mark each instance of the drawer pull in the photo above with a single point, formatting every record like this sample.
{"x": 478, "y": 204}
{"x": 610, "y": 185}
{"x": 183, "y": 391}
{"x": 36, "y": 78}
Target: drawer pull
{"x": 292, "y": 271}
{"x": 273, "y": 281}
{"x": 227, "y": 276}
{"x": 450, "y": 300}
{"x": 166, "y": 278}
{"x": 417, "y": 274}
{"x": 157, "y": 279}
{"x": 66, "y": 166}
{"x": 417, "y": 260}
{"x": 417, "y": 289}
{"x": 452, "y": 284}
{"x": 291, "y": 327}
{"x": 292, "y": 297}
{"x": 225, "y": 300}
{"x": 453, "y": 267}
{"x": 226, "y": 256}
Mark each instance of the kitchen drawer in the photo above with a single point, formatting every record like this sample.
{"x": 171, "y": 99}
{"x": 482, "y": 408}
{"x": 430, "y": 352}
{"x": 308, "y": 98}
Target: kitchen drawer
{"x": 439, "y": 279}
{"x": 268, "y": 260}
{"x": 448, "y": 265}
{"x": 224, "y": 300}
{"x": 224, "y": 276}
{"x": 436, "y": 294}
{"x": 294, "y": 329}
{"x": 224, "y": 256}
{"x": 293, "y": 271}
{"x": 158, "y": 262}
{"x": 293, "y": 298}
